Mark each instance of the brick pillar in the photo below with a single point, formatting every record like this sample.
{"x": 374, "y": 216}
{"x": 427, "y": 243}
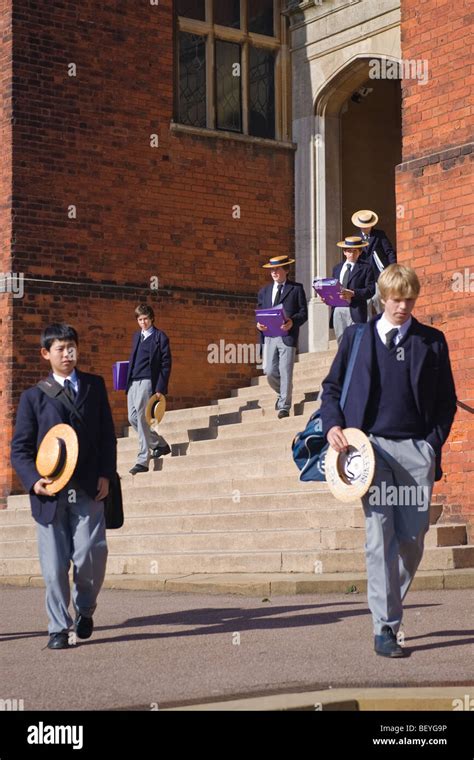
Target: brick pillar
{"x": 436, "y": 210}
{"x": 6, "y": 306}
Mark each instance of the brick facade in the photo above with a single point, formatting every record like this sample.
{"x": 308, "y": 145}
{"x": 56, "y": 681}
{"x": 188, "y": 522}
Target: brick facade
{"x": 142, "y": 212}
{"x": 6, "y": 301}
{"x": 434, "y": 189}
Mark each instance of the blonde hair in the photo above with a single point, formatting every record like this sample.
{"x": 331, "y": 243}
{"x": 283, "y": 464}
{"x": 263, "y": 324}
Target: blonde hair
{"x": 398, "y": 281}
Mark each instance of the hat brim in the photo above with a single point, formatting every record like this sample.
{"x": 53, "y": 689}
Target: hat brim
{"x": 47, "y": 456}
{"x": 155, "y": 409}
{"x": 357, "y": 223}
{"x": 278, "y": 266}
{"x": 343, "y": 244}
{"x": 349, "y": 475}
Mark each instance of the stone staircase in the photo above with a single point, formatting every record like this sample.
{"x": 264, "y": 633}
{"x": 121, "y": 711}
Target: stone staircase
{"x": 228, "y": 500}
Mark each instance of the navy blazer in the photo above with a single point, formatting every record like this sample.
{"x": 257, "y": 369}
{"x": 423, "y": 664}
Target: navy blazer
{"x": 431, "y": 378}
{"x": 37, "y": 413}
{"x": 294, "y": 303}
{"x": 362, "y": 282}
{"x": 381, "y": 245}
{"x": 160, "y": 360}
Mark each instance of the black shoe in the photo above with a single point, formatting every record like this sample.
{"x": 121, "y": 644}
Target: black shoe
{"x": 386, "y": 644}
{"x": 283, "y": 413}
{"x": 160, "y": 451}
{"x": 138, "y": 468}
{"x": 83, "y": 626}
{"x": 59, "y": 640}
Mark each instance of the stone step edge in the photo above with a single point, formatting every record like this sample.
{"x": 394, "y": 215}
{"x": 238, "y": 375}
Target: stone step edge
{"x": 231, "y": 531}
{"x": 405, "y": 698}
{"x": 263, "y": 584}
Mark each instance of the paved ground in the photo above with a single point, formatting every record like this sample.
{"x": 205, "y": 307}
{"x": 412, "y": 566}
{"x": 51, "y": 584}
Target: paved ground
{"x": 162, "y": 649}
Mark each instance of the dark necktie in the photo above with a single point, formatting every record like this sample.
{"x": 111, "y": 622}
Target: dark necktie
{"x": 142, "y": 337}
{"x": 390, "y": 337}
{"x": 69, "y": 390}
{"x": 278, "y": 296}
{"x": 346, "y": 275}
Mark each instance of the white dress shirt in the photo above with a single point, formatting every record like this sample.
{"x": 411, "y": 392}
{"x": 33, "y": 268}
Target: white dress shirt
{"x": 147, "y": 333}
{"x": 344, "y": 269}
{"x": 72, "y": 377}
{"x": 276, "y": 285}
{"x": 384, "y": 326}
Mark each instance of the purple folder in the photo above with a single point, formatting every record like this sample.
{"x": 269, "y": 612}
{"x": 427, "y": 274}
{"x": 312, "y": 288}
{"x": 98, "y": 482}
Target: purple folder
{"x": 119, "y": 372}
{"x": 329, "y": 290}
{"x": 272, "y": 318}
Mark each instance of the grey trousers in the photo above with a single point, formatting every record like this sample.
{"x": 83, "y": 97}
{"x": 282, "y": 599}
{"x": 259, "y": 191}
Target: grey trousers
{"x": 278, "y": 363}
{"x": 396, "y": 518}
{"x": 76, "y": 534}
{"x": 137, "y": 399}
{"x": 341, "y": 319}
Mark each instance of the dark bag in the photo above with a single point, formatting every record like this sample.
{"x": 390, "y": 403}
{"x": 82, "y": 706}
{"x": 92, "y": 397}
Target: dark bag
{"x": 309, "y": 447}
{"x": 113, "y": 502}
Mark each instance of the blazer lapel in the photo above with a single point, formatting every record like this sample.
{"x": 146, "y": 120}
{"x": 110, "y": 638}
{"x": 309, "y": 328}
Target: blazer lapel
{"x": 418, "y": 356}
{"x": 286, "y": 291}
{"x": 353, "y": 273}
{"x": 84, "y": 388}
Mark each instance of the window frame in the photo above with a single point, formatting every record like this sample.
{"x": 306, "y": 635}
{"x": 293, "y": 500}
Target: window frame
{"x": 278, "y": 44}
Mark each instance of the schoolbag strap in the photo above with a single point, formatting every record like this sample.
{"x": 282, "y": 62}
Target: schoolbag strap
{"x": 352, "y": 360}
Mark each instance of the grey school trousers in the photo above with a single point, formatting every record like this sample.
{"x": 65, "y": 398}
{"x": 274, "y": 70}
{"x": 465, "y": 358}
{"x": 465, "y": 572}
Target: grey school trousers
{"x": 77, "y": 535}
{"x": 397, "y": 515}
{"x": 278, "y": 363}
{"x": 137, "y": 398}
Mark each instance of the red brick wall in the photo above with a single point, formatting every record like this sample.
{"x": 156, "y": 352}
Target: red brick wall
{"x": 435, "y": 192}
{"x": 5, "y": 244}
{"x": 142, "y": 212}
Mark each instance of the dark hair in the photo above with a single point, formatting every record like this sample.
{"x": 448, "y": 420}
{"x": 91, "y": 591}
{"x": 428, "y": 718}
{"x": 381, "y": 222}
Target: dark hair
{"x": 58, "y": 331}
{"x": 143, "y": 310}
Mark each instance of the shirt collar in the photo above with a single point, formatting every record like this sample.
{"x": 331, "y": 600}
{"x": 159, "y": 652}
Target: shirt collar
{"x": 385, "y": 326}
{"x": 148, "y": 332}
{"x": 72, "y": 377}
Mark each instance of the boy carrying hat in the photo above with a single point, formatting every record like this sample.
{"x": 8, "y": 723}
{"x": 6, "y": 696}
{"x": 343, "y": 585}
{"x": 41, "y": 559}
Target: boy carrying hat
{"x": 402, "y": 396}
{"x": 70, "y": 521}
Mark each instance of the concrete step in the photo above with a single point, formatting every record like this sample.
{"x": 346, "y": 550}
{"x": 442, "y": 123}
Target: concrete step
{"x": 434, "y": 558}
{"x": 270, "y": 561}
{"x": 146, "y": 486}
{"x": 191, "y": 473}
{"x": 178, "y": 432}
{"x": 257, "y": 531}
{"x": 196, "y": 457}
{"x": 189, "y": 521}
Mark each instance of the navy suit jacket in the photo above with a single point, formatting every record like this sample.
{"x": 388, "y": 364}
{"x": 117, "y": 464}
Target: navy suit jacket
{"x": 160, "y": 360}
{"x": 37, "y": 413}
{"x": 294, "y": 303}
{"x": 431, "y": 378}
{"x": 362, "y": 282}
{"x": 381, "y": 245}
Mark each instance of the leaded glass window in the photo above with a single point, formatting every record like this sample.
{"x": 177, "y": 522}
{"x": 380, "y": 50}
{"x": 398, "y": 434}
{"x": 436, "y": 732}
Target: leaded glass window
{"x": 192, "y": 80}
{"x": 227, "y": 13}
{"x": 228, "y": 87}
{"x": 261, "y": 93}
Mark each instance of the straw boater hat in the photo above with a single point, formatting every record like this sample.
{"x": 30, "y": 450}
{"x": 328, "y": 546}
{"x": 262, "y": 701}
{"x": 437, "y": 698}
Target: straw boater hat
{"x": 364, "y": 218}
{"x": 57, "y": 456}
{"x": 155, "y": 410}
{"x": 349, "y": 474}
{"x": 352, "y": 242}
{"x": 278, "y": 261}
